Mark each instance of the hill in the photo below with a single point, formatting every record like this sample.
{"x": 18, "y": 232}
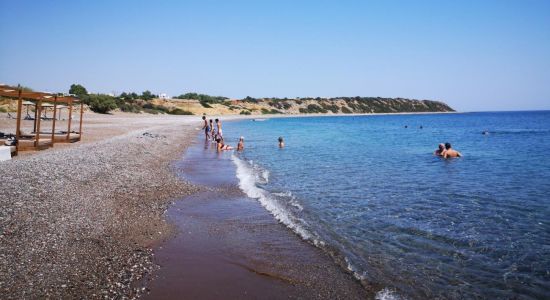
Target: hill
{"x": 341, "y": 105}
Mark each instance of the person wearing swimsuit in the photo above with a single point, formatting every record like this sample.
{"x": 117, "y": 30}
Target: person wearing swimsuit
{"x": 221, "y": 146}
{"x": 206, "y": 128}
{"x": 450, "y": 152}
{"x": 219, "y": 127}
{"x": 240, "y": 145}
{"x": 212, "y": 130}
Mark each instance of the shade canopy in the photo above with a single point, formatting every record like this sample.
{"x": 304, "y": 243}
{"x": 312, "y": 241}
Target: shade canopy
{"x": 17, "y": 92}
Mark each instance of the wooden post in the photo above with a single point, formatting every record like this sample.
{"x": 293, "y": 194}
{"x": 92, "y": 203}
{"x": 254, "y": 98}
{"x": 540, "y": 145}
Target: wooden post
{"x": 37, "y": 131}
{"x": 18, "y": 126}
{"x": 35, "y": 116}
{"x": 81, "y": 115}
{"x": 54, "y": 118}
{"x": 70, "y": 117}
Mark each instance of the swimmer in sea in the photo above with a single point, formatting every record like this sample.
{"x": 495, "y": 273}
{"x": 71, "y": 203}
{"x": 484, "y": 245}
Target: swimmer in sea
{"x": 240, "y": 145}
{"x": 281, "y": 142}
{"x": 440, "y": 150}
{"x": 450, "y": 152}
{"x": 221, "y": 146}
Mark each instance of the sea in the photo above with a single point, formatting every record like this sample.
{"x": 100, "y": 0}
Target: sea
{"x": 369, "y": 191}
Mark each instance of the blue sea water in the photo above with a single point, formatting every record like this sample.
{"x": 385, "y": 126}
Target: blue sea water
{"x": 407, "y": 223}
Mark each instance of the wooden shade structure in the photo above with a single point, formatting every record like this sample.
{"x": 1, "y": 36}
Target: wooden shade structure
{"x": 38, "y": 98}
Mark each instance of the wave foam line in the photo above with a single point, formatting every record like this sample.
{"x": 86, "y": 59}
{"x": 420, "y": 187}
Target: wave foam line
{"x": 248, "y": 177}
{"x": 247, "y": 183}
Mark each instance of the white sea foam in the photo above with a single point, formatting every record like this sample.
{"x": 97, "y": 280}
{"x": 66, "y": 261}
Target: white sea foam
{"x": 248, "y": 179}
{"x": 247, "y": 173}
{"x": 388, "y": 294}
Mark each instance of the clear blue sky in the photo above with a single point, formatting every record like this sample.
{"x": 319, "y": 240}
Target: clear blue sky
{"x": 474, "y": 55}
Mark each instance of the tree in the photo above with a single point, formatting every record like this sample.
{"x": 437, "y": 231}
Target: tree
{"x": 78, "y": 90}
{"x": 147, "y": 95}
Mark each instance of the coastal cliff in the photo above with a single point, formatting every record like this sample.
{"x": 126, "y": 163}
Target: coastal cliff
{"x": 341, "y": 105}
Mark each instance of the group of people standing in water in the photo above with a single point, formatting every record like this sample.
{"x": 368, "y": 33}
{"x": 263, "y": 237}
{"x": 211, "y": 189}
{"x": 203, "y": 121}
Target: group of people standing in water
{"x": 213, "y": 131}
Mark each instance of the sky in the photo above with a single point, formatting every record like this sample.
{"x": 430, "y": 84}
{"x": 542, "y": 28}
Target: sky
{"x": 473, "y": 55}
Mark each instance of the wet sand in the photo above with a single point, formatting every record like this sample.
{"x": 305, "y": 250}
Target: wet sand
{"x": 229, "y": 246}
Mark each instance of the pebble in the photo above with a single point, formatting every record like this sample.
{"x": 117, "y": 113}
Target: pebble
{"x": 84, "y": 214}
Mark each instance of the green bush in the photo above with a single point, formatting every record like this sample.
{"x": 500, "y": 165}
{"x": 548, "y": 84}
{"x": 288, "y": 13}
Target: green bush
{"x": 131, "y": 108}
{"x": 179, "y": 111}
{"x": 314, "y": 108}
{"x": 3, "y": 110}
{"x": 202, "y": 98}
{"x": 245, "y": 112}
{"x": 100, "y": 103}
{"x": 346, "y": 110}
{"x": 205, "y": 104}
{"x": 332, "y": 107}
{"x": 151, "y": 111}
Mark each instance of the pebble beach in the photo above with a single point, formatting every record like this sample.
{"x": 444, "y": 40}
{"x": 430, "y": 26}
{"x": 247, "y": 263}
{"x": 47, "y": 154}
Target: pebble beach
{"x": 80, "y": 220}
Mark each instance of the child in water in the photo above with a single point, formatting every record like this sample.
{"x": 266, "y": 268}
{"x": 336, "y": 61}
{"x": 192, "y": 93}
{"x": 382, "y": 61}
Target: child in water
{"x": 221, "y": 146}
{"x": 240, "y": 145}
{"x": 281, "y": 142}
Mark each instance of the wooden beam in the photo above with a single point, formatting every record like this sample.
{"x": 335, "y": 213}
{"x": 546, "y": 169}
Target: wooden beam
{"x": 35, "y": 116}
{"x": 70, "y": 117}
{"x": 37, "y": 120}
{"x": 54, "y": 118}
{"x": 18, "y": 126}
{"x": 81, "y": 115}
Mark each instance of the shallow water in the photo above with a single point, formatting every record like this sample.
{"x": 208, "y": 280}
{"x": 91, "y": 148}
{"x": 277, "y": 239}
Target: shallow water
{"x": 370, "y": 191}
{"x": 228, "y": 247}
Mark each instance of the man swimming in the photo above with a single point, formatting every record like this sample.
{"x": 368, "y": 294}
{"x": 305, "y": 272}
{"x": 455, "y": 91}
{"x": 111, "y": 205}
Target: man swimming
{"x": 281, "y": 142}
{"x": 449, "y": 152}
{"x": 440, "y": 150}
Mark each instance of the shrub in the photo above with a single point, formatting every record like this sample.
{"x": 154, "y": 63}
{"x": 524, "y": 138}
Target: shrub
{"x": 100, "y": 103}
{"x": 346, "y": 110}
{"x": 151, "y": 111}
{"x": 3, "y": 109}
{"x": 132, "y": 108}
{"x": 179, "y": 111}
{"x": 245, "y": 112}
{"x": 332, "y": 107}
{"x": 205, "y": 104}
{"x": 265, "y": 111}
{"x": 250, "y": 99}
{"x": 314, "y": 108}
{"x": 202, "y": 98}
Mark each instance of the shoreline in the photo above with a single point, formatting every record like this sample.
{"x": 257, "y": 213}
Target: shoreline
{"x": 228, "y": 240}
{"x": 96, "y": 208}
